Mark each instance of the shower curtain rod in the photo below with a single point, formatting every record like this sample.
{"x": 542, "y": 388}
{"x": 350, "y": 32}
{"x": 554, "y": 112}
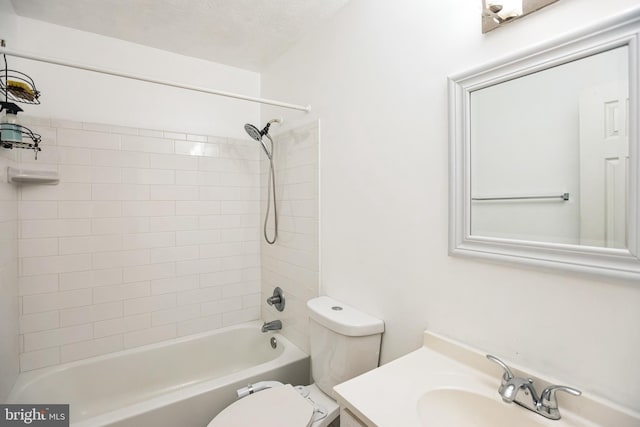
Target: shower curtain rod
{"x": 16, "y": 54}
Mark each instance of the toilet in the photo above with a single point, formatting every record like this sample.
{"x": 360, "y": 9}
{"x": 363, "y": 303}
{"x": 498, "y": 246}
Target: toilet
{"x": 344, "y": 343}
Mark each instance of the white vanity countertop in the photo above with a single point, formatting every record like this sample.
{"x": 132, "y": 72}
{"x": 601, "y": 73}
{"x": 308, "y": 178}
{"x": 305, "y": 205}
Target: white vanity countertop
{"x": 389, "y": 396}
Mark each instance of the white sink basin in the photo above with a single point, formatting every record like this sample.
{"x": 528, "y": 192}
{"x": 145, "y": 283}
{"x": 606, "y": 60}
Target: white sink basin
{"x": 453, "y": 407}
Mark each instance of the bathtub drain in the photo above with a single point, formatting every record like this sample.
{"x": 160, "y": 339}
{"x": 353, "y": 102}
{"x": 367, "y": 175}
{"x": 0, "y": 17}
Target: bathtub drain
{"x": 274, "y": 342}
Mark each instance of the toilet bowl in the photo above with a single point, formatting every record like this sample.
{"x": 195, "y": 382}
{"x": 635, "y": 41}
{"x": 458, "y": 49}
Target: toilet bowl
{"x": 344, "y": 343}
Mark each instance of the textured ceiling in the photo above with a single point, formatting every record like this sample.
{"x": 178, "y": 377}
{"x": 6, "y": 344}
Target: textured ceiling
{"x": 241, "y": 33}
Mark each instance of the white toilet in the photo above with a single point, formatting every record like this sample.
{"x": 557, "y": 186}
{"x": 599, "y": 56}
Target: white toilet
{"x": 344, "y": 343}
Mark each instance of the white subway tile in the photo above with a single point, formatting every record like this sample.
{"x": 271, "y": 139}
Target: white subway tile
{"x": 187, "y": 177}
{"x": 151, "y": 132}
{"x": 90, "y": 209}
{"x": 41, "y": 284}
{"x": 196, "y": 237}
{"x": 149, "y": 336}
{"x": 74, "y": 173}
{"x": 148, "y": 176}
{"x": 123, "y": 159}
{"x": 39, "y": 359}
{"x": 174, "y": 284}
{"x": 88, "y": 139}
{"x": 74, "y": 155}
{"x": 122, "y": 325}
{"x": 91, "y": 278}
{"x": 91, "y": 348}
{"x": 200, "y": 324}
{"x": 147, "y": 144}
{"x": 201, "y": 295}
{"x": 37, "y": 210}
{"x": 173, "y": 161}
{"x": 37, "y": 247}
{"x": 221, "y": 249}
{"x": 55, "y": 264}
{"x": 62, "y": 191}
{"x": 119, "y": 192}
{"x": 173, "y": 192}
{"x": 210, "y": 222}
{"x": 55, "y": 337}
{"x": 197, "y": 138}
{"x": 209, "y": 207}
{"x": 220, "y": 278}
{"x": 39, "y": 228}
{"x": 149, "y": 304}
{"x": 221, "y": 306}
{"x": 105, "y": 175}
{"x": 100, "y": 127}
{"x": 174, "y": 315}
{"x": 39, "y": 321}
{"x": 148, "y": 208}
{"x": 119, "y": 225}
{"x": 176, "y": 253}
{"x": 141, "y": 273}
{"x": 193, "y": 148}
{"x": 240, "y": 316}
{"x": 91, "y": 313}
{"x": 175, "y": 135}
{"x": 120, "y": 258}
{"x": 173, "y": 223}
{"x": 148, "y": 240}
{"x": 55, "y": 301}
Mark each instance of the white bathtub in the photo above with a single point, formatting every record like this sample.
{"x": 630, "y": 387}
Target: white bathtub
{"x": 183, "y": 382}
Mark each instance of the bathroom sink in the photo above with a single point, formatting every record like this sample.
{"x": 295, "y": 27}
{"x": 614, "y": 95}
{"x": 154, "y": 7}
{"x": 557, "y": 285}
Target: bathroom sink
{"x": 453, "y": 407}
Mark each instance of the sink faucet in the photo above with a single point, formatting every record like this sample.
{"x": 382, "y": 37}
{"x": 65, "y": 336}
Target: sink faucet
{"x": 274, "y": 325}
{"x": 546, "y": 404}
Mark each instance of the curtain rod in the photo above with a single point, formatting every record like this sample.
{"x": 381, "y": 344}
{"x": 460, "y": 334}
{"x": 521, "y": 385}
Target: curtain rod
{"x": 10, "y": 52}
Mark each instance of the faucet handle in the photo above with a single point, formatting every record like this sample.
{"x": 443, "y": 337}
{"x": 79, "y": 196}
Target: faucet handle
{"x": 508, "y": 375}
{"x": 548, "y": 396}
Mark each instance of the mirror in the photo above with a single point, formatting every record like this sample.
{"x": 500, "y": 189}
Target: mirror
{"x": 544, "y": 154}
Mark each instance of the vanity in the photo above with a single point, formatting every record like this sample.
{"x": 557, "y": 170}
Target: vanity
{"x": 448, "y": 384}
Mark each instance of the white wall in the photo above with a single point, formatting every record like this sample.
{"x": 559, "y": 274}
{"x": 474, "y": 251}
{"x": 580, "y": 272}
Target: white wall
{"x": 376, "y": 75}
{"x": 95, "y": 98}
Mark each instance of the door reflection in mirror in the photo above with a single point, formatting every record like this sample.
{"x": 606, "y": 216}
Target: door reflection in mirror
{"x": 560, "y": 130}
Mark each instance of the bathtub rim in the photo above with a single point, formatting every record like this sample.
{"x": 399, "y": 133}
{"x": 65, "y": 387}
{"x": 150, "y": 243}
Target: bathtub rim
{"x": 290, "y": 353}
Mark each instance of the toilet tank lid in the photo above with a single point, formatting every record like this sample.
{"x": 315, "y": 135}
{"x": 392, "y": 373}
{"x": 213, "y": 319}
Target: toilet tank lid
{"x": 342, "y": 318}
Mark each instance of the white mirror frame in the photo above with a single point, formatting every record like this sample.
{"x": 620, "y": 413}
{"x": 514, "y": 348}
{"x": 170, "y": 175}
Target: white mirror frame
{"x": 623, "y": 30}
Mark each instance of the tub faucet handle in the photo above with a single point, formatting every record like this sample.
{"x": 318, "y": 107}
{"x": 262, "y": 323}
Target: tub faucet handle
{"x": 277, "y": 299}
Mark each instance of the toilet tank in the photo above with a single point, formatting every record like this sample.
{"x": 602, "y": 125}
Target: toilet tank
{"x": 344, "y": 342}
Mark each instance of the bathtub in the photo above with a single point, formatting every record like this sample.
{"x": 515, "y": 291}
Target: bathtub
{"x": 183, "y": 382}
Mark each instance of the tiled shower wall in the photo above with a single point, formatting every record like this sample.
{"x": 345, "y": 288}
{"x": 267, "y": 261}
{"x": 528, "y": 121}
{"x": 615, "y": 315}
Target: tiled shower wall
{"x": 150, "y": 235}
{"x": 9, "y": 343}
{"x": 292, "y": 263}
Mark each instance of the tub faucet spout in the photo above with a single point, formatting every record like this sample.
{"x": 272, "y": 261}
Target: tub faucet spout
{"x": 274, "y": 325}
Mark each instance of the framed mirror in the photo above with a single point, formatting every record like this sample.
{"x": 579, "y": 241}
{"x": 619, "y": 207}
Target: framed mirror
{"x": 544, "y": 154}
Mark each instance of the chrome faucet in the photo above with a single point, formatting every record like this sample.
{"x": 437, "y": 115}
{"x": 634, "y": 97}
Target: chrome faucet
{"x": 546, "y": 404}
{"x": 274, "y": 325}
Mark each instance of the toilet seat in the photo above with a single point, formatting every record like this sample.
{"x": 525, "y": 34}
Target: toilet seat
{"x": 275, "y": 407}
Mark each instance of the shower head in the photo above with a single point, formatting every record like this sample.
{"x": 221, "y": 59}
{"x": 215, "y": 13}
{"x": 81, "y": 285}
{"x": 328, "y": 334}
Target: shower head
{"x": 253, "y": 132}
{"x": 258, "y": 135}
